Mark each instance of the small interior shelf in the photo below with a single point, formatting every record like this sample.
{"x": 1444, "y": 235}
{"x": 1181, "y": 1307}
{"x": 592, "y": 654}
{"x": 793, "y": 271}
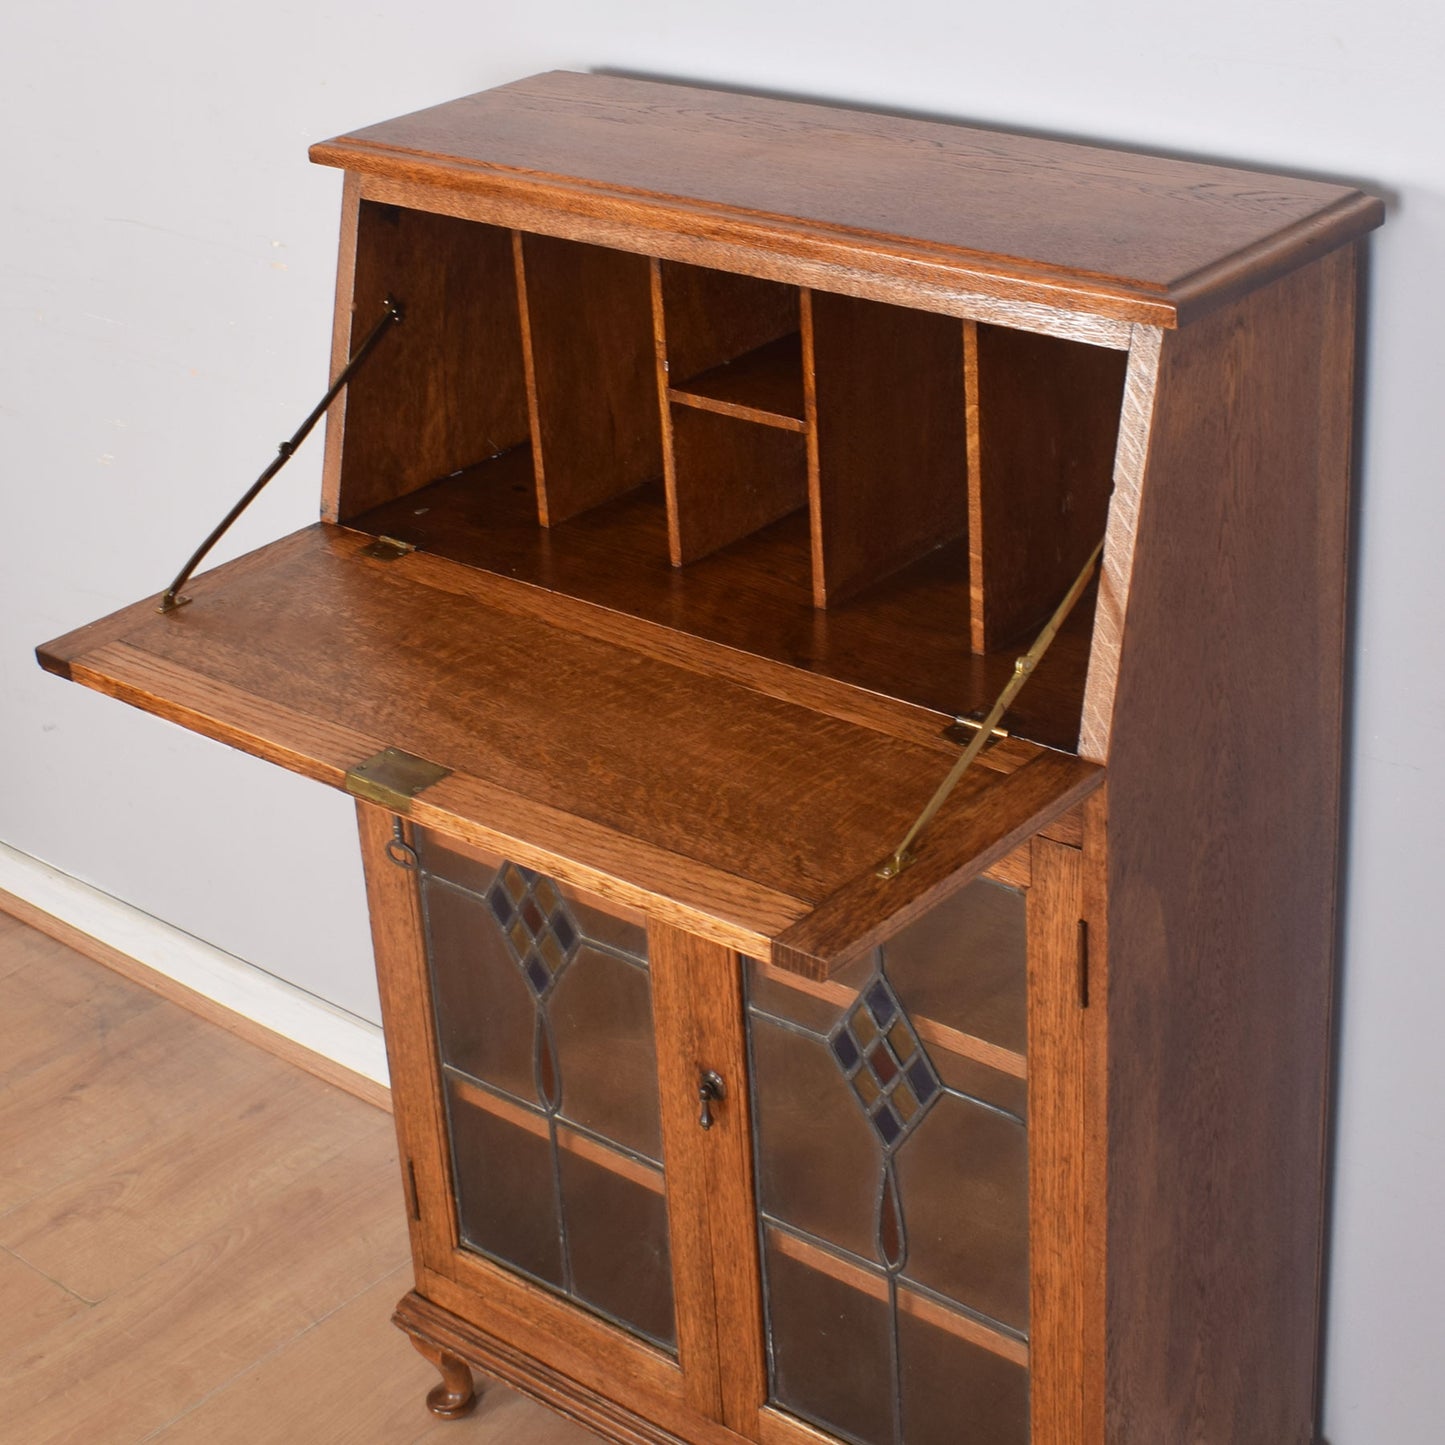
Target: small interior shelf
{"x": 763, "y": 386}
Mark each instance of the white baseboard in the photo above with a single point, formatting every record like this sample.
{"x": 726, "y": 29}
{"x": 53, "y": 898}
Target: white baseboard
{"x": 241, "y": 988}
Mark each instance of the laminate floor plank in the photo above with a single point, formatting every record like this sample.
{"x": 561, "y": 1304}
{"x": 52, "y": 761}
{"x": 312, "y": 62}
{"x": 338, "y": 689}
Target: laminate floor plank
{"x": 239, "y": 1223}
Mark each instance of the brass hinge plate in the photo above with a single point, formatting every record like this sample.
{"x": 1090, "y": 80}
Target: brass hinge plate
{"x": 388, "y": 549}
{"x": 393, "y": 778}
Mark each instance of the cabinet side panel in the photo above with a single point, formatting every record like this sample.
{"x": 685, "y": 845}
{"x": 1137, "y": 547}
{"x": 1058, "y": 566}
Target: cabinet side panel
{"x": 1223, "y": 822}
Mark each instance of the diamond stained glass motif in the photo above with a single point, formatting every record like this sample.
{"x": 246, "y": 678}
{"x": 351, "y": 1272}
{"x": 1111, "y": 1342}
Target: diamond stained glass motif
{"x": 540, "y": 932}
{"x": 881, "y": 1057}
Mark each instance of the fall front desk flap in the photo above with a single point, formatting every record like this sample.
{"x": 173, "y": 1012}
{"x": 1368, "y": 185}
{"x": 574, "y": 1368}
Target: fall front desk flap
{"x": 747, "y": 801}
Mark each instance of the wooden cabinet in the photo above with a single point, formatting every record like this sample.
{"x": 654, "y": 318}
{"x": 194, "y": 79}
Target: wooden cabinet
{"x": 726, "y": 457}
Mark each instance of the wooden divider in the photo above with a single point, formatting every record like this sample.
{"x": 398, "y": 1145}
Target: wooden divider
{"x": 445, "y": 389}
{"x": 587, "y": 335}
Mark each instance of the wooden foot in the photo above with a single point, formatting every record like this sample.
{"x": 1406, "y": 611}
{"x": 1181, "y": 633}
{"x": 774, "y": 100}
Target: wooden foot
{"x": 454, "y": 1397}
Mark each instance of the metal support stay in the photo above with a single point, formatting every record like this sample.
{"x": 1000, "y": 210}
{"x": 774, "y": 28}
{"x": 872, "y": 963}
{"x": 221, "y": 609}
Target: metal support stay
{"x": 171, "y": 598}
{"x": 902, "y": 856}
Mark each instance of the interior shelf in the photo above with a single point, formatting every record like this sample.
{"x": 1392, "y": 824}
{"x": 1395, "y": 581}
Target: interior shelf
{"x": 764, "y": 386}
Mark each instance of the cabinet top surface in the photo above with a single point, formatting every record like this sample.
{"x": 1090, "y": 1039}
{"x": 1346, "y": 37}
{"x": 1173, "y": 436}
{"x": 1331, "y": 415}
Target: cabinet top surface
{"x": 1109, "y": 232}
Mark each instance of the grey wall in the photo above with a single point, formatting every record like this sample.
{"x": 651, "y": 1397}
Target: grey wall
{"x": 166, "y": 255}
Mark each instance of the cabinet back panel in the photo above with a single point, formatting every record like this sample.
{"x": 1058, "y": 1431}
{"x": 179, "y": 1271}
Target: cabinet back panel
{"x": 892, "y": 476}
{"x": 714, "y": 317}
{"x": 731, "y": 479}
{"x": 445, "y": 388}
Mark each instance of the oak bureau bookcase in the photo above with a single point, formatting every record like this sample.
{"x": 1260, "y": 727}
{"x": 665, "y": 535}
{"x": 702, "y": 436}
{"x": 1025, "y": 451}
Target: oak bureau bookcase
{"x": 710, "y": 464}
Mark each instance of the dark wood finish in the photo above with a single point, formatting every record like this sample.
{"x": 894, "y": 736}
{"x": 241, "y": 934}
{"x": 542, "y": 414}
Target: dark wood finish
{"x": 588, "y": 313}
{"x": 1056, "y": 1145}
{"x": 892, "y": 478}
{"x": 714, "y": 317}
{"x": 444, "y": 389}
{"x": 1048, "y": 421}
{"x": 906, "y": 637}
{"x": 764, "y": 386}
{"x": 732, "y": 478}
{"x": 981, "y": 821}
{"x": 1019, "y": 217}
{"x": 455, "y": 1396}
{"x": 697, "y": 998}
{"x": 1227, "y": 725}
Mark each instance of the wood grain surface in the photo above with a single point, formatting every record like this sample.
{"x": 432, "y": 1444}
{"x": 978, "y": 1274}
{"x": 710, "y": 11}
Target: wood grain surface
{"x": 1126, "y": 235}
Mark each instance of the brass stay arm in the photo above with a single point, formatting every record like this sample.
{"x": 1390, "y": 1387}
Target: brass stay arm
{"x": 171, "y": 598}
{"x": 902, "y": 855}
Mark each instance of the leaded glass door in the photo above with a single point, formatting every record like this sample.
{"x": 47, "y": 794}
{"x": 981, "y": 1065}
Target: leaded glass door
{"x": 542, "y": 1000}
{"x": 893, "y": 1115}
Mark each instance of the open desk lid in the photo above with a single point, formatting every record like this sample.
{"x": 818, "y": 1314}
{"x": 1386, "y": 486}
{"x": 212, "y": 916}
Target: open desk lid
{"x": 669, "y": 773}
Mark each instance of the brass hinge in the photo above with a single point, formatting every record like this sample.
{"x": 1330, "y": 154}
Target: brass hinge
{"x": 1083, "y": 963}
{"x": 393, "y": 778}
{"x": 388, "y": 549}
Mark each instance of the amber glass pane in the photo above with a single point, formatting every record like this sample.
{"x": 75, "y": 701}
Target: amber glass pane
{"x": 819, "y": 1159}
{"x": 832, "y": 1357}
{"x": 506, "y": 1193}
{"x": 617, "y": 1238}
{"x": 815, "y": 1006}
{"x": 450, "y": 863}
{"x": 484, "y": 1011}
{"x": 964, "y": 964}
{"x": 601, "y": 1016}
{"x": 955, "y": 1391}
{"x": 963, "y": 1178}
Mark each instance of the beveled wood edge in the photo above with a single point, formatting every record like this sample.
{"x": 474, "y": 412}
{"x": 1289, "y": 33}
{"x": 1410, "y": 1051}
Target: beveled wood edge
{"x": 1121, "y": 533}
{"x": 693, "y": 235}
{"x": 868, "y": 910}
{"x": 422, "y": 1319}
{"x": 341, "y": 327}
{"x": 908, "y": 722}
{"x": 248, "y": 1030}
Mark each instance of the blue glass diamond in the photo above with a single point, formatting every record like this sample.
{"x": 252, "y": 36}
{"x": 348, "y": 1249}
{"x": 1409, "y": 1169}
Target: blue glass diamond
{"x": 922, "y": 1079}
{"x": 538, "y": 976}
{"x": 880, "y": 1003}
{"x": 562, "y": 927}
{"x": 845, "y": 1050}
{"x": 501, "y": 905}
{"x": 885, "y": 1121}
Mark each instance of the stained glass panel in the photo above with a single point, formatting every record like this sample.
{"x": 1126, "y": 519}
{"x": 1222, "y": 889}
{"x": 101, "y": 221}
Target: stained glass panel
{"x": 544, "y": 1019}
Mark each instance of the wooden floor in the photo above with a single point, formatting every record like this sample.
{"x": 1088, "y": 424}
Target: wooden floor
{"x": 198, "y": 1242}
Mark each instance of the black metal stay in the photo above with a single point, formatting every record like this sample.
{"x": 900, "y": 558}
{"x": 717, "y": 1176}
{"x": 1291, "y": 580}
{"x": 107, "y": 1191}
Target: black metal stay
{"x": 171, "y": 598}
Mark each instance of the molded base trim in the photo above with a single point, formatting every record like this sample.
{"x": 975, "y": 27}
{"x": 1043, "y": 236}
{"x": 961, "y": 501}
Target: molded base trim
{"x": 243, "y": 999}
